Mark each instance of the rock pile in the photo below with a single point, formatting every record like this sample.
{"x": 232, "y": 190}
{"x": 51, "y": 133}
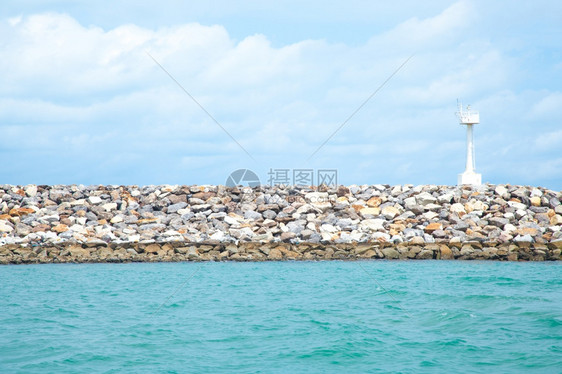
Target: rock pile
{"x": 201, "y": 222}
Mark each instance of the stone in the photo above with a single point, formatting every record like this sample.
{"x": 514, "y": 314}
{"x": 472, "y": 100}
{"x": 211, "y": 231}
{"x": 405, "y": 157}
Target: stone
{"x": 286, "y": 236}
{"x": 445, "y": 253}
{"x": 556, "y": 220}
{"x": 94, "y": 200}
{"x": 19, "y": 212}
{"x": 275, "y": 254}
{"x": 389, "y": 212}
{"x": 31, "y": 191}
{"x": 425, "y": 198}
{"x": 501, "y": 191}
{"x": 59, "y": 228}
{"x": 498, "y": 222}
{"x": 174, "y": 208}
{"x": 457, "y": 208}
{"x": 373, "y": 224}
{"x": 432, "y": 227}
{"x": 536, "y": 201}
{"x": 109, "y": 206}
{"x": 370, "y": 211}
{"x": 374, "y": 202}
{"x": 5, "y": 227}
{"x": 390, "y": 253}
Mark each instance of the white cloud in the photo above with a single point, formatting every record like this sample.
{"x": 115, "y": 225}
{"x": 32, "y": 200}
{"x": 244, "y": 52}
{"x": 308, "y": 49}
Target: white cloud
{"x": 89, "y": 90}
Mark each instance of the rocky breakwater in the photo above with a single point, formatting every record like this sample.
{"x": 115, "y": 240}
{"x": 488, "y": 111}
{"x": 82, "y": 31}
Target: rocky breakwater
{"x": 195, "y": 223}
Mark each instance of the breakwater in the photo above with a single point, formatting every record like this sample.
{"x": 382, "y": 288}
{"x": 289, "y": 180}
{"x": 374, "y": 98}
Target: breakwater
{"x": 75, "y": 223}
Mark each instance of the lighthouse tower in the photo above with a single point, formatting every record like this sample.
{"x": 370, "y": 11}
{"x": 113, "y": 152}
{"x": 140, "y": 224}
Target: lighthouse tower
{"x": 468, "y": 118}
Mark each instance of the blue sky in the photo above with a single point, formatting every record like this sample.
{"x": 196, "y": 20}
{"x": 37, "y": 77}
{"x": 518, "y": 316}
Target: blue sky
{"x": 81, "y": 101}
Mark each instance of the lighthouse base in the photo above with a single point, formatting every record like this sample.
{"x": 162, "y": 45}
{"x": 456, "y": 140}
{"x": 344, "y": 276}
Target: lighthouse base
{"x": 469, "y": 178}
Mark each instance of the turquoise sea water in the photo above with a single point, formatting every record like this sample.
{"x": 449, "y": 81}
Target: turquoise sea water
{"x": 285, "y": 317}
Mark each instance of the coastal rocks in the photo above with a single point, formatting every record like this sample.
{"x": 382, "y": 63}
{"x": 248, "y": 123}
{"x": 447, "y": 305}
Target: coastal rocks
{"x": 250, "y": 251}
{"x": 332, "y": 219}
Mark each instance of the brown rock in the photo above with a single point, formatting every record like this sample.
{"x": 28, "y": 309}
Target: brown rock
{"x": 5, "y": 216}
{"x": 60, "y": 228}
{"x": 146, "y": 220}
{"x": 528, "y": 231}
{"x": 535, "y": 201}
{"x": 374, "y": 202}
{"x": 41, "y": 227}
{"x": 342, "y": 191}
{"x": 152, "y": 248}
{"x": 432, "y": 227}
{"x": 390, "y": 253}
{"x": 275, "y": 254}
{"x": 18, "y": 212}
{"x": 446, "y": 253}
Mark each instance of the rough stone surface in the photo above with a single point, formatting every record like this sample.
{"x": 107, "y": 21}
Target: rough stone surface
{"x": 77, "y": 223}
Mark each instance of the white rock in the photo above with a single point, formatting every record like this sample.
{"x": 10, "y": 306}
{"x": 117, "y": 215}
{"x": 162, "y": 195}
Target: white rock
{"x": 328, "y": 228}
{"x": 231, "y": 220}
{"x": 445, "y": 198}
{"x": 78, "y": 202}
{"x": 118, "y": 218}
{"x": 183, "y": 211}
{"x": 4, "y": 227}
{"x": 109, "y": 206}
{"x": 373, "y": 224}
{"x": 457, "y": 208}
{"x": 31, "y": 190}
{"x": 509, "y": 228}
{"x": 430, "y": 215}
{"x": 425, "y": 198}
{"x": 219, "y": 235}
{"x": 536, "y": 192}
{"x": 516, "y": 205}
{"x": 501, "y": 191}
{"x": 94, "y": 200}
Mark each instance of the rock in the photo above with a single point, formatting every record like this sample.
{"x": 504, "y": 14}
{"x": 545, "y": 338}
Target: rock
{"x": 445, "y": 253}
{"x": 59, "y": 228}
{"x": 109, "y": 206}
{"x": 457, "y": 208}
{"x": 536, "y": 201}
{"x": 5, "y": 227}
{"x": 502, "y": 192}
{"x": 498, "y": 222}
{"x": 370, "y": 211}
{"x": 94, "y": 200}
{"x": 432, "y": 227}
{"x": 425, "y": 198}
{"x": 275, "y": 254}
{"x": 252, "y": 215}
{"x": 118, "y": 218}
{"x": 31, "y": 190}
{"x": 389, "y": 212}
{"x": 390, "y": 253}
{"x": 372, "y": 224}
{"x": 556, "y": 220}
{"x": 20, "y": 212}
{"x": 286, "y": 236}
{"x": 374, "y": 202}
{"x": 174, "y": 208}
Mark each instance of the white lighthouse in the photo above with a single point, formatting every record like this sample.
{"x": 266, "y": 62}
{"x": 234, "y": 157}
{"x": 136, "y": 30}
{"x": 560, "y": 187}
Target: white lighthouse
{"x": 468, "y": 118}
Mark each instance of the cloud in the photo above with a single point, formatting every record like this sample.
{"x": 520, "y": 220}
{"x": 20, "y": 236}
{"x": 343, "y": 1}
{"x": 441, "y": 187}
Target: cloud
{"x": 79, "y": 93}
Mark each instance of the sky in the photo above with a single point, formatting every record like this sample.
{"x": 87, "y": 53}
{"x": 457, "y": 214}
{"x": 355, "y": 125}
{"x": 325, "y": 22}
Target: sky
{"x": 261, "y": 85}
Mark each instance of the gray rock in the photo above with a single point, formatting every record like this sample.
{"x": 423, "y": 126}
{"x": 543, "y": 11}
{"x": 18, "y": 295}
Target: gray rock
{"x": 175, "y": 207}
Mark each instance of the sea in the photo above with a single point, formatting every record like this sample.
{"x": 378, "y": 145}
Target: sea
{"x": 282, "y": 317}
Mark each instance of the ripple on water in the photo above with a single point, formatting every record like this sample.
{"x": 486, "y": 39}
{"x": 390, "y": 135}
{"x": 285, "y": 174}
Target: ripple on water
{"x": 282, "y": 317}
